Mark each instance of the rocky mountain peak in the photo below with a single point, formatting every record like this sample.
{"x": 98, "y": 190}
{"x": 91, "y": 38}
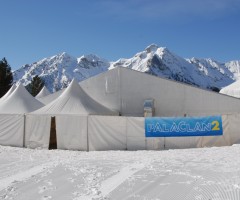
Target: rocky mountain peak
{"x": 58, "y": 71}
{"x": 151, "y": 48}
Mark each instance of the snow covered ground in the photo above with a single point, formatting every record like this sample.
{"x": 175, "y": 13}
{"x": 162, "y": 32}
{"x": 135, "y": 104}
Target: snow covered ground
{"x": 193, "y": 174}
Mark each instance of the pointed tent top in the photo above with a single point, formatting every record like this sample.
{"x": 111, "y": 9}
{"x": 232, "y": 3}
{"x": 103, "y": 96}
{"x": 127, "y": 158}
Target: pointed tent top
{"x": 74, "y": 100}
{"x": 72, "y": 89}
{"x": 44, "y": 92}
{"x": 51, "y": 97}
{"x": 232, "y": 89}
{"x": 19, "y": 101}
{"x": 10, "y": 91}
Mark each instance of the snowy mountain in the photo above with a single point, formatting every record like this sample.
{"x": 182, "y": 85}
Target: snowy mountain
{"x": 234, "y": 67}
{"x": 58, "y": 71}
{"x": 159, "y": 61}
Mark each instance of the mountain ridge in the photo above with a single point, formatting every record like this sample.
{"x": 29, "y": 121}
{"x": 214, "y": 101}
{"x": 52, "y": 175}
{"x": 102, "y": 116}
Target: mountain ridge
{"x": 57, "y": 71}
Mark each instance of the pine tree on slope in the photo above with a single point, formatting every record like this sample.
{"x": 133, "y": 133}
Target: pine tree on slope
{"x": 6, "y": 77}
{"x": 35, "y": 86}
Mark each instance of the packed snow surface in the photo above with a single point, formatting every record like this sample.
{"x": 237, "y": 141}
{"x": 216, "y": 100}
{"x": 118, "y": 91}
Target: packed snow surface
{"x": 193, "y": 174}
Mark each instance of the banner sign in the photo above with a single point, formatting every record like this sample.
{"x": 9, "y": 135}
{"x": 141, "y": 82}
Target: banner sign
{"x": 183, "y": 126}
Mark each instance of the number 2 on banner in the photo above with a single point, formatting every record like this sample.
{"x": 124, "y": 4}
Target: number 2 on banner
{"x": 215, "y": 126}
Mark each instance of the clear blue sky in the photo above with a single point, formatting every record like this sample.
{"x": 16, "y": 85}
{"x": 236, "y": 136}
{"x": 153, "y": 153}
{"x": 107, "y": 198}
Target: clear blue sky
{"x": 113, "y": 29}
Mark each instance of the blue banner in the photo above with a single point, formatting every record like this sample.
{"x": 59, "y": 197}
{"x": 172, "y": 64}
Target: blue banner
{"x": 183, "y": 126}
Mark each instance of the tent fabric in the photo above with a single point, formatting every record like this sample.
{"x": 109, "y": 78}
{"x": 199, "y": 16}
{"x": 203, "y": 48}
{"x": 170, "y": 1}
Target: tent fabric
{"x": 81, "y": 124}
{"x": 19, "y": 102}
{"x": 136, "y": 139}
{"x": 10, "y": 91}
{"x": 71, "y": 132}
{"x": 107, "y": 133}
{"x": 232, "y": 127}
{"x": 11, "y": 130}
{"x": 44, "y": 92}
{"x": 231, "y": 133}
{"x": 182, "y": 142}
{"x": 223, "y": 140}
{"x": 126, "y": 90}
{"x": 51, "y": 97}
{"x": 74, "y": 100}
{"x": 155, "y": 143}
{"x": 101, "y": 133}
{"x": 37, "y": 131}
{"x": 232, "y": 89}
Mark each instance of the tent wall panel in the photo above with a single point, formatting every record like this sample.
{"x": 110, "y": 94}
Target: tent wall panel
{"x": 103, "y": 133}
{"x": 12, "y": 130}
{"x": 223, "y": 140}
{"x": 233, "y": 128}
{"x": 104, "y": 88}
{"x": 129, "y": 89}
{"x": 136, "y": 139}
{"x": 71, "y": 132}
{"x": 107, "y": 133}
{"x": 171, "y": 98}
{"x": 133, "y": 94}
{"x": 182, "y": 142}
{"x": 37, "y": 131}
{"x": 136, "y": 143}
{"x": 155, "y": 143}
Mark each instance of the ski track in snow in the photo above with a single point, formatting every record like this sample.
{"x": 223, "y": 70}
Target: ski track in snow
{"x": 22, "y": 176}
{"x": 114, "y": 181}
{"x": 200, "y": 174}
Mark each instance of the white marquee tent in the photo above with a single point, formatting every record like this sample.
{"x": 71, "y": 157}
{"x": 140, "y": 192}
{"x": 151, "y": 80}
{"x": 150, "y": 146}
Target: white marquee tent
{"x": 51, "y": 97}
{"x": 12, "y": 110}
{"x": 19, "y": 101}
{"x": 44, "y": 92}
{"x": 71, "y": 109}
{"x": 126, "y": 90}
{"x": 74, "y": 100}
{"x": 9, "y": 92}
{"x": 84, "y": 124}
{"x": 232, "y": 89}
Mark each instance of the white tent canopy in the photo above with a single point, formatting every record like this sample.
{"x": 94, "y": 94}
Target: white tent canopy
{"x": 71, "y": 110}
{"x": 19, "y": 102}
{"x": 44, "y": 92}
{"x": 10, "y": 91}
{"x": 76, "y": 126}
{"x": 51, "y": 97}
{"x": 126, "y": 90}
{"x": 74, "y": 100}
{"x": 12, "y": 110}
{"x": 232, "y": 89}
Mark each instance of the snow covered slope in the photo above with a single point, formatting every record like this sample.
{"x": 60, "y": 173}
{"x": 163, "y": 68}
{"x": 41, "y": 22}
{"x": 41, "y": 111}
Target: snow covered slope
{"x": 159, "y": 61}
{"x": 58, "y": 71}
{"x": 189, "y": 174}
{"x": 234, "y": 67}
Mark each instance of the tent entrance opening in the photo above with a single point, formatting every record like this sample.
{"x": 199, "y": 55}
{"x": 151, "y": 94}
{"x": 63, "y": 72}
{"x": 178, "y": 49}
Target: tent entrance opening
{"x": 53, "y": 134}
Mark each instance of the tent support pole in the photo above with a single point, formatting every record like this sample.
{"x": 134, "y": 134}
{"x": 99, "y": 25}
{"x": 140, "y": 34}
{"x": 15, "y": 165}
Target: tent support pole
{"x": 164, "y": 143}
{"x": 87, "y": 136}
{"x": 24, "y": 129}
